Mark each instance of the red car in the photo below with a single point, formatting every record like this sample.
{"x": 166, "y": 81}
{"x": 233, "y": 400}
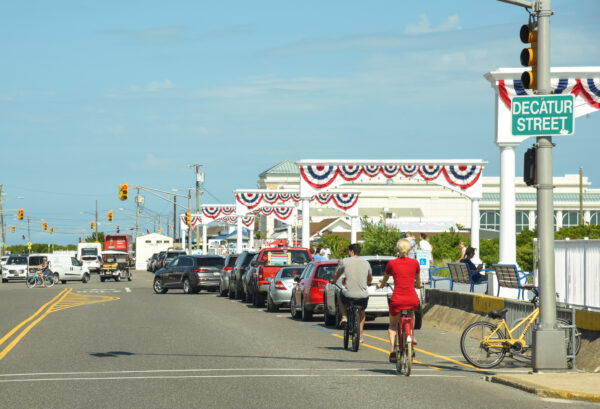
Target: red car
{"x": 307, "y": 294}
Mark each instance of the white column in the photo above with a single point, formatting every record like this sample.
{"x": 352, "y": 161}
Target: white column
{"x": 532, "y": 221}
{"x": 353, "y": 229}
{"x": 587, "y": 217}
{"x": 204, "y": 239}
{"x": 559, "y": 217}
{"x": 290, "y": 237}
{"x": 475, "y": 226}
{"x": 251, "y": 233}
{"x": 508, "y": 228}
{"x": 239, "y": 236}
{"x": 306, "y": 222}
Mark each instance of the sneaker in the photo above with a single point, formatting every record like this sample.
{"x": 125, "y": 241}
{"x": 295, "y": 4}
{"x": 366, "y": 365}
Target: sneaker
{"x": 392, "y": 357}
{"x": 362, "y": 340}
{"x": 343, "y": 322}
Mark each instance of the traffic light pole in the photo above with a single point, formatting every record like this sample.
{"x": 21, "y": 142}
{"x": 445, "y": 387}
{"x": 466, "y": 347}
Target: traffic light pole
{"x": 96, "y": 225}
{"x": 137, "y": 212}
{"x": 2, "y": 232}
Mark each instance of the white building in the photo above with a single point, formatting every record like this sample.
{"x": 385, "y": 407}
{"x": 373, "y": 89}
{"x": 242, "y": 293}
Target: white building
{"x": 147, "y": 245}
{"x": 406, "y": 198}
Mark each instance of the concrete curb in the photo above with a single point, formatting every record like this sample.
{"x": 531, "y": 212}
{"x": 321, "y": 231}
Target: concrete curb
{"x": 541, "y": 390}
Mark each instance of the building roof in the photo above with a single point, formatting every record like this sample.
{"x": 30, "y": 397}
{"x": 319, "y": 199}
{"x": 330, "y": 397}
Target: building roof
{"x": 285, "y": 168}
{"x": 532, "y": 197}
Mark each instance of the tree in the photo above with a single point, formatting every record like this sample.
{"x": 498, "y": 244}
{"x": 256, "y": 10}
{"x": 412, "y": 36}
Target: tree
{"x": 379, "y": 239}
{"x": 337, "y": 244}
{"x": 446, "y": 247}
{"x": 92, "y": 238}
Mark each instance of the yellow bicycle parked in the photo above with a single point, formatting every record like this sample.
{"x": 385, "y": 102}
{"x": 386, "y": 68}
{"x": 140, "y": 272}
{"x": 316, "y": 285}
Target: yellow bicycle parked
{"x": 485, "y": 345}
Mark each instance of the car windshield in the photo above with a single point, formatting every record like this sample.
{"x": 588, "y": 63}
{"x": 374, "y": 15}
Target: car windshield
{"x": 378, "y": 267}
{"x": 174, "y": 254}
{"x": 283, "y": 257}
{"x": 36, "y": 260}
{"x": 115, "y": 258}
{"x": 89, "y": 251}
{"x": 210, "y": 262}
{"x": 325, "y": 272}
{"x": 16, "y": 260}
{"x": 90, "y": 258}
{"x": 291, "y": 272}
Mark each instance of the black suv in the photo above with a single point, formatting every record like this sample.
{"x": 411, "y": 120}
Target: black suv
{"x": 235, "y": 279}
{"x": 190, "y": 273}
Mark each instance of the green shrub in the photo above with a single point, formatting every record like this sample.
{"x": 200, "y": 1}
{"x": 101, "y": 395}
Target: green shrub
{"x": 338, "y": 245}
{"x": 379, "y": 239}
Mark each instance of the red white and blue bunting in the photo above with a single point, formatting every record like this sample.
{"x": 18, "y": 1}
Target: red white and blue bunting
{"x": 249, "y": 199}
{"x": 246, "y": 220}
{"x": 212, "y": 212}
{"x": 321, "y": 176}
{"x": 587, "y": 88}
{"x": 195, "y": 220}
{"x": 344, "y": 201}
{"x": 253, "y": 199}
{"x": 282, "y": 213}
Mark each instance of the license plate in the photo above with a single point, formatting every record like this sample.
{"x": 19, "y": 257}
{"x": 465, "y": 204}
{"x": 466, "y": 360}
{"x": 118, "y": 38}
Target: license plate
{"x": 216, "y": 274}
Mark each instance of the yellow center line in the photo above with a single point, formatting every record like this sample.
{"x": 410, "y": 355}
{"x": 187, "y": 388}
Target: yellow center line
{"x": 387, "y": 352}
{"x": 17, "y": 339}
{"x": 15, "y": 329}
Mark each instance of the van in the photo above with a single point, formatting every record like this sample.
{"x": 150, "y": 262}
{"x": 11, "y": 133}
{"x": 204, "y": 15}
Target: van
{"x": 64, "y": 267}
{"x": 88, "y": 253}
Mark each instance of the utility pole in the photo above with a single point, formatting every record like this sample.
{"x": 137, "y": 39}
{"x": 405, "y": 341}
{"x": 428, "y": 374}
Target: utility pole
{"x": 581, "y": 221}
{"x": 199, "y": 180}
{"x": 174, "y": 218}
{"x": 189, "y": 236}
{"x": 28, "y": 229}
{"x": 137, "y": 212}
{"x": 2, "y": 232}
{"x": 96, "y": 225}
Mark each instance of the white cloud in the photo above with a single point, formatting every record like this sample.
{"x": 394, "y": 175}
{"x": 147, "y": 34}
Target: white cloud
{"x": 423, "y": 26}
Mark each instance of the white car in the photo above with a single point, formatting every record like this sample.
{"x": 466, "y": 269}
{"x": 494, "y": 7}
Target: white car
{"x": 63, "y": 266}
{"x": 15, "y": 268}
{"x": 378, "y": 298}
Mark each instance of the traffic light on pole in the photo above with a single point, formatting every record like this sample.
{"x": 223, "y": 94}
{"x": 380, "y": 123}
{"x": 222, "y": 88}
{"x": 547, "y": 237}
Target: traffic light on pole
{"x": 45, "y": 226}
{"x": 528, "y": 34}
{"x": 93, "y": 225}
{"x": 51, "y": 230}
{"x": 529, "y": 176}
{"x": 12, "y": 229}
{"x": 110, "y": 216}
{"x": 123, "y": 192}
{"x": 20, "y": 214}
{"x": 188, "y": 218}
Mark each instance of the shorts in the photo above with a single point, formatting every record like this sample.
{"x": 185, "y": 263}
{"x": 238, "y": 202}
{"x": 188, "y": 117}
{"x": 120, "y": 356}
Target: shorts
{"x": 360, "y": 302}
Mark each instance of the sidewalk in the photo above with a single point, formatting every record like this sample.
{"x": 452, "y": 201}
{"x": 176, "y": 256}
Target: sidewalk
{"x": 564, "y": 385}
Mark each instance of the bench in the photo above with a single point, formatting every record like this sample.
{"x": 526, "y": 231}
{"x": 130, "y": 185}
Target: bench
{"x": 434, "y": 276}
{"x": 460, "y": 274}
{"x": 511, "y": 277}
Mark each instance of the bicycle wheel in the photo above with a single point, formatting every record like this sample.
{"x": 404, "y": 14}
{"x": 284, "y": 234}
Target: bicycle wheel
{"x": 398, "y": 349}
{"x": 355, "y": 330}
{"x": 49, "y": 280}
{"x": 566, "y": 325}
{"x": 474, "y": 349}
{"x": 407, "y": 359}
{"x": 347, "y": 330}
{"x": 30, "y": 281}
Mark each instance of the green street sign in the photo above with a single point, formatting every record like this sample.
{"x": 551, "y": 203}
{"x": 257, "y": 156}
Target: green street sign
{"x": 543, "y": 115}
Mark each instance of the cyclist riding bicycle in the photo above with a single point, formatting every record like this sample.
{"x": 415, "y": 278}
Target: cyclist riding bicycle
{"x": 43, "y": 271}
{"x": 406, "y": 273}
{"x": 358, "y": 278}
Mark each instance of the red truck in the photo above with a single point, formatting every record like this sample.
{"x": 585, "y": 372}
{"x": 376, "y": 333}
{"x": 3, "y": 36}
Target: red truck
{"x": 120, "y": 242}
{"x": 268, "y": 263}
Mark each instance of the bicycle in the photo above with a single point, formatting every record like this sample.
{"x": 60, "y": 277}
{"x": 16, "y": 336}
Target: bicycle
{"x": 352, "y": 328}
{"x": 32, "y": 280}
{"x": 485, "y": 345}
{"x": 403, "y": 347}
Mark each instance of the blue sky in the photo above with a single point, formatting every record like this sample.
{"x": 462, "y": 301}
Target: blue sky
{"x": 95, "y": 95}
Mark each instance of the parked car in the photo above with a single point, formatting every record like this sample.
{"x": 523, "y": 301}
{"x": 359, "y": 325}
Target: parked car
{"x": 235, "y": 278}
{"x": 15, "y": 268}
{"x": 307, "y": 293}
{"x": 248, "y": 295}
{"x": 150, "y": 262}
{"x": 171, "y": 255}
{"x": 64, "y": 267}
{"x": 189, "y": 273}
{"x": 158, "y": 263}
{"x": 268, "y": 263}
{"x": 378, "y": 304}
{"x": 280, "y": 289}
{"x": 3, "y": 260}
{"x": 225, "y": 273}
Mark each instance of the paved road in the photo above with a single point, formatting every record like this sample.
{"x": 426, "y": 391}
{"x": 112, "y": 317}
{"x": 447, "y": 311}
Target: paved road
{"x": 119, "y": 345}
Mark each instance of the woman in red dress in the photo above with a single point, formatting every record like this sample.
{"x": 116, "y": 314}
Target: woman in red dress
{"x": 406, "y": 274}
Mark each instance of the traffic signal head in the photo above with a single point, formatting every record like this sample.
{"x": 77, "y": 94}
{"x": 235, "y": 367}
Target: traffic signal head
{"x": 51, "y": 230}
{"x": 528, "y": 34}
{"x": 12, "y": 229}
{"x": 529, "y": 176}
{"x": 20, "y": 214}
{"x": 123, "y": 192}
{"x": 110, "y": 216}
{"x": 93, "y": 225}
{"x": 188, "y": 218}
{"x": 45, "y": 226}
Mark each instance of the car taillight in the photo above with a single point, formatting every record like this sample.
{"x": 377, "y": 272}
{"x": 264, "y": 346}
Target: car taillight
{"x": 260, "y": 272}
{"x": 201, "y": 270}
{"x": 318, "y": 283}
{"x": 344, "y": 281}
{"x": 280, "y": 286}
{"x": 228, "y": 268}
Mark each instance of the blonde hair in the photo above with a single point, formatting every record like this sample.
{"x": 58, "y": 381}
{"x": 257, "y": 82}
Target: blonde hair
{"x": 403, "y": 247}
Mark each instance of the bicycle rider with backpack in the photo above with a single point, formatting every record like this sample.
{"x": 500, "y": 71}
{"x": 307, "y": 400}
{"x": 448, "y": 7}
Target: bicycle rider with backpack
{"x": 358, "y": 278}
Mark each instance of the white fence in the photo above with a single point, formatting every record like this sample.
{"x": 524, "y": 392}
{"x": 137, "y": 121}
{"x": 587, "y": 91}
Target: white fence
{"x": 577, "y": 272}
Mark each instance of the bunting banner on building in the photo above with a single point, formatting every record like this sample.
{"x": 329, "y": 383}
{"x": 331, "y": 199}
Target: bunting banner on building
{"x": 246, "y": 220}
{"x": 322, "y": 176}
{"x": 214, "y": 211}
{"x": 282, "y": 213}
{"x": 587, "y": 88}
{"x": 251, "y": 199}
{"x": 343, "y": 201}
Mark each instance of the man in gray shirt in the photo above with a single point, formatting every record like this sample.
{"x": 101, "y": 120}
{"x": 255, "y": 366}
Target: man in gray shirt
{"x": 358, "y": 278}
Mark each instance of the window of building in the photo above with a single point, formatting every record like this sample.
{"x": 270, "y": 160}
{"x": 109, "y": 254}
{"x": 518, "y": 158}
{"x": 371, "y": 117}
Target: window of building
{"x": 522, "y": 220}
{"x": 570, "y": 218}
{"x": 594, "y": 217}
{"x": 489, "y": 220}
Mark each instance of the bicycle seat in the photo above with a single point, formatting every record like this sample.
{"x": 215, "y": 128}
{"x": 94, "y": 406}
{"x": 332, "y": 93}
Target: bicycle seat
{"x": 498, "y": 314}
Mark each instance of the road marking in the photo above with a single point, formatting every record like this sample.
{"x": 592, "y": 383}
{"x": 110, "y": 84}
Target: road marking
{"x": 18, "y": 338}
{"x": 15, "y": 329}
{"x": 127, "y": 289}
{"x": 99, "y": 291}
